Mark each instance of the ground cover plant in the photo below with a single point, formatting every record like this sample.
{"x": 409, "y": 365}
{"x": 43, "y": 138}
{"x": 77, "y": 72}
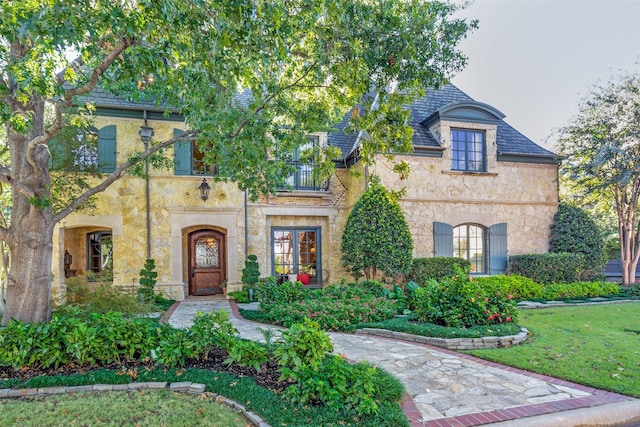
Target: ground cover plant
{"x": 334, "y": 307}
{"x": 409, "y": 325}
{"x": 595, "y": 345}
{"x": 298, "y": 367}
{"x": 140, "y": 408}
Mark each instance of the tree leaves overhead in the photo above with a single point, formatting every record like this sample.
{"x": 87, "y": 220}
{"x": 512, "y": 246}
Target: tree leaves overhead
{"x": 240, "y": 71}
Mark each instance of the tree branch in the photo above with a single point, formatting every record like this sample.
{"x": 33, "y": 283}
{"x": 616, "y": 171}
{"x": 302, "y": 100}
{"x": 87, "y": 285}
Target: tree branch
{"x": 67, "y": 100}
{"x": 270, "y": 97}
{"x": 119, "y": 172}
{"x": 7, "y": 178}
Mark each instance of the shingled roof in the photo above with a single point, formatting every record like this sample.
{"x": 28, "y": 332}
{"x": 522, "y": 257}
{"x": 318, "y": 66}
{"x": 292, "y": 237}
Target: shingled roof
{"x": 512, "y": 145}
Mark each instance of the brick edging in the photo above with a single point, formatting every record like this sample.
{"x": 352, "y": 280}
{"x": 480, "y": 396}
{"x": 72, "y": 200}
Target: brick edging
{"x": 187, "y": 387}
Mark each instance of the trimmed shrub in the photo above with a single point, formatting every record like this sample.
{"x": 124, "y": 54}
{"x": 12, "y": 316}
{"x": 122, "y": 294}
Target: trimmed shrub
{"x": 580, "y": 290}
{"x": 461, "y": 302}
{"x": 376, "y": 236}
{"x": 574, "y": 231}
{"x": 548, "y": 268}
{"x": 520, "y": 287}
{"x": 425, "y": 269}
{"x": 270, "y": 292}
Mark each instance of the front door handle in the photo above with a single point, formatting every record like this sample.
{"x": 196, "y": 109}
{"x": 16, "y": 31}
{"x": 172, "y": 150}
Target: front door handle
{"x": 193, "y": 272}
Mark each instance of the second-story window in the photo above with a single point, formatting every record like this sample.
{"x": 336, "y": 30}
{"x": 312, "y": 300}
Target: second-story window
{"x": 304, "y": 158}
{"x": 468, "y": 150}
{"x": 189, "y": 160}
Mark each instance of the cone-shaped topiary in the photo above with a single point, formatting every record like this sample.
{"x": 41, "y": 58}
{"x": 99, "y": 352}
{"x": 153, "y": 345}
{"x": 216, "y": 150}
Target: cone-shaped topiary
{"x": 377, "y": 236}
{"x": 148, "y": 280}
{"x": 251, "y": 271}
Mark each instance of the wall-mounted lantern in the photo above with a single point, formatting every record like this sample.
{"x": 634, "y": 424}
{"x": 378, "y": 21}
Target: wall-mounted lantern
{"x": 204, "y": 190}
{"x": 146, "y": 133}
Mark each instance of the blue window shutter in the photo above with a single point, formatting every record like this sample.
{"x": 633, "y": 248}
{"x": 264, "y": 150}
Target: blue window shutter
{"x": 442, "y": 239}
{"x": 107, "y": 149}
{"x": 498, "y": 248}
{"x": 182, "y": 153}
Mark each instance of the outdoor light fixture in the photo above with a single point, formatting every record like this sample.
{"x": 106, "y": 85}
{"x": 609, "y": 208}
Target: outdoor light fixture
{"x": 204, "y": 190}
{"x": 145, "y": 133}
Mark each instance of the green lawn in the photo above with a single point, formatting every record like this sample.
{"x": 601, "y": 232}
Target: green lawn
{"x": 119, "y": 408}
{"x": 595, "y": 345}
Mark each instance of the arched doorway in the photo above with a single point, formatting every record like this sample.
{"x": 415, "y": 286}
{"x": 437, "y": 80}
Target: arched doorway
{"x": 207, "y": 262}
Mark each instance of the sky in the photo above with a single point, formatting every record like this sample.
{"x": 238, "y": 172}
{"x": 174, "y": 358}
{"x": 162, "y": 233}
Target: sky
{"x": 537, "y": 60}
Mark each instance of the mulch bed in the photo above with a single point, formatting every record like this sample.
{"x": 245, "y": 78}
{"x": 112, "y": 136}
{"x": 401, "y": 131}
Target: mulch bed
{"x": 267, "y": 377}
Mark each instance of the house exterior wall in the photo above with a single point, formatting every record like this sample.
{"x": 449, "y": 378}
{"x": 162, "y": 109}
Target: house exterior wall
{"x": 522, "y": 195}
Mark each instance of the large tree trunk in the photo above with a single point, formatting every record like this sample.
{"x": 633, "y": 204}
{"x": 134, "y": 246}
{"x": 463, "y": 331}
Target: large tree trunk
{"x": 29, "y": 286}
{"x": 30, "y": 234}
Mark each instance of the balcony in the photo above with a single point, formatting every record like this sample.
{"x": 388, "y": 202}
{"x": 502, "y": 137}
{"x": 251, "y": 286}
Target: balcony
{"x": 304, "y": 179}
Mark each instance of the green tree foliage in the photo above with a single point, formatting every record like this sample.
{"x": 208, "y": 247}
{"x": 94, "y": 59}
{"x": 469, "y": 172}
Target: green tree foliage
{"x": 251, "y": 78}
{"x": 251, "y": 271}
{"x": 377, "y": 236}
{"x": 148, "y": 279}
{"x": 574, "y": 231}
{"x": 602, "y": 152}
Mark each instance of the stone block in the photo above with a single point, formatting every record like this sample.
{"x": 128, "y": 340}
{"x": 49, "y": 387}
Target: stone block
{"x": 102, "y": 387}
{"x": 79, "y": 389}
{"x": 196, "y": 388}
{"x": 180, "y": 386}
{"x": 120, "y": 387}
{"x": 52, "y": 390}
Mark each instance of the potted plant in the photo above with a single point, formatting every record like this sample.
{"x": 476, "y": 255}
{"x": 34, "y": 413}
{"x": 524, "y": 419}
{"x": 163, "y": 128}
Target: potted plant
{"x": 304, "y": 276}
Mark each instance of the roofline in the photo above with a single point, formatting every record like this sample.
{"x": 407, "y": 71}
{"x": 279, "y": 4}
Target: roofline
{"x": 550, "y": 158}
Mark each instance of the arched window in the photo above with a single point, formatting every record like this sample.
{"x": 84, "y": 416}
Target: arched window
{"x": 469, "y": 242}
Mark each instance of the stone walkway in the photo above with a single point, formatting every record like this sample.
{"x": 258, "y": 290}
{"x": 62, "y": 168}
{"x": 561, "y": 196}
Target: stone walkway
{"x": 445, "y": 388}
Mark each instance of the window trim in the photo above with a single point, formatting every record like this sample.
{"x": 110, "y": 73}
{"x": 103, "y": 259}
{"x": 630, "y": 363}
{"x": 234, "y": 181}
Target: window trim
{"x": 295, "y": 229}
{"x": 467, "y": 151}
{"x": 485, "y": 247}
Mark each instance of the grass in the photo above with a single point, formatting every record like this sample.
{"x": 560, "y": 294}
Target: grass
{"x": 137, "y": 408}
{"x": 268, "y": 405}
{"x": 593, "y": 345}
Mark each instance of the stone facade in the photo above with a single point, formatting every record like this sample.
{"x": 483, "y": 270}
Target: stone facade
{"x": 521, "y": 193}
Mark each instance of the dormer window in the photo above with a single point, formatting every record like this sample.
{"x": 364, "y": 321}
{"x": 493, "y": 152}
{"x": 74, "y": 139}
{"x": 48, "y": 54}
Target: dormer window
{"x": 468, "y": 150}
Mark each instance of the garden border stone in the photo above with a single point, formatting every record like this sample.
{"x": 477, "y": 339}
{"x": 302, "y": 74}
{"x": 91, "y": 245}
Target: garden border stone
{"x": 452, "y": 343}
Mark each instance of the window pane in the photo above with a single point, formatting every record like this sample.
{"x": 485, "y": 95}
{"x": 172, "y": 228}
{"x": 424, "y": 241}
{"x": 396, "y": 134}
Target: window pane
{"x": 295, "y": 251}
{"x": 283, "y": 251}
{"x": 467, "y": 150}
{"x": 468, "y": 243}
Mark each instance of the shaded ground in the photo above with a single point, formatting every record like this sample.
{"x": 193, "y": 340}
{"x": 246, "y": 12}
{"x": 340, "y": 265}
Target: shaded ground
{"x": 267, "y": 377}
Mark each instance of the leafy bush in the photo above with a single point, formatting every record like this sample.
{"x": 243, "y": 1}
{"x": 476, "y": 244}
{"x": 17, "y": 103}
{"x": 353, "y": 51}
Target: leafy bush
{"x": 425, "y": 269}
{"x": 247, "y": 353}
{"x": 337, "y": 384}
{"x": 372, "y": 287}
{"x": 100, "y": 338}
{"x": 304, "y": 345}
{"x": 270, "y": 292}
{"x": 462, "y": 303}
{"x": 574, "y": 231}
{"x": 105, "y": 297}
{"x": 376, "y": 236}
{"x": 239, "y": 296}
{"x": 580, "y": 290}
{"x": 212, "y": 330}
{"x": 519, "y": 286}
{"x": 548, "y": 268}
{"x": 333, "y": 309}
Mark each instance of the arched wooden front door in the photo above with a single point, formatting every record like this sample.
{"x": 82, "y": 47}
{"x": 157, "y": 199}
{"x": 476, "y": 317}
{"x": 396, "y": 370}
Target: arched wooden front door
{"x": 207, "y": 262}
